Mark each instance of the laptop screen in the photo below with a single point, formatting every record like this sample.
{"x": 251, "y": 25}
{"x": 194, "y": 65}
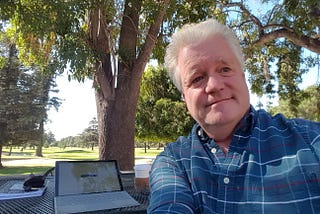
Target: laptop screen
{"x": 77, "y": 177}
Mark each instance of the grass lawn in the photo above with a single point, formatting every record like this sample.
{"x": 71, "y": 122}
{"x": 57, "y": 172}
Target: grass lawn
{"x": 20, "y": 160}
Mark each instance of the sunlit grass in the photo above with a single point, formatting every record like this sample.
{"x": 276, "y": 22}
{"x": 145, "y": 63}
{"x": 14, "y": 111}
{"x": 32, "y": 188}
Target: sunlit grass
{"x": 39, "y": 167}
{"x": 152, "y": 152}
{"x": 19, "y": 170}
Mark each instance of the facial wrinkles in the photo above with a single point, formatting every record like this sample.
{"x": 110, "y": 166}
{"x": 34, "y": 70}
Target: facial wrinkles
{"x": 190, "y": 67}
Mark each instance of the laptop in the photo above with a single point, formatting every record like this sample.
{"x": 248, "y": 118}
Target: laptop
{"x": 82, "y": 186}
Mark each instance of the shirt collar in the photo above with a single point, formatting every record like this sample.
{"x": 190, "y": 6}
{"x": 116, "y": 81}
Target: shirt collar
{"x": 247, "y": 121}
{"x": 246, "y": 124}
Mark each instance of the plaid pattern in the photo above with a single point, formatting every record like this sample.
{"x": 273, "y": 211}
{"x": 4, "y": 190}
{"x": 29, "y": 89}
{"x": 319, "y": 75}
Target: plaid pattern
{"x": 272, "y": 166}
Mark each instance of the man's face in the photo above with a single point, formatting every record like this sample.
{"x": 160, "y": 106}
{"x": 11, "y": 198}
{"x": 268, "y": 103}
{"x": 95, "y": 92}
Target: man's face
{"x": 213, "y": 84}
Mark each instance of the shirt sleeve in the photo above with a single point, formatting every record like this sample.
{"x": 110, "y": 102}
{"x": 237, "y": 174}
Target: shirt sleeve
{"x": 169, "y": 187}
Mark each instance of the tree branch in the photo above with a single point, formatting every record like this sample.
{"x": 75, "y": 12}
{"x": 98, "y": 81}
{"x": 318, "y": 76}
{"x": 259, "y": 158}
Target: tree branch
{"x": 253, "y": 18}
{"x": 300, "y": 40}
{"x": 151, "y": 37}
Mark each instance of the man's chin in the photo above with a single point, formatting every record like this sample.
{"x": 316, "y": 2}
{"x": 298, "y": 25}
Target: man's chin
{"x": 215, "y": 120}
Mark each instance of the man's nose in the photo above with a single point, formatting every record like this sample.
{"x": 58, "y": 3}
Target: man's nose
{"x": 214, "y": 84}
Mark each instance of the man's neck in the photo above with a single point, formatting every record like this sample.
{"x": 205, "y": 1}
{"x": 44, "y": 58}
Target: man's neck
{"x": 224, "y": 144}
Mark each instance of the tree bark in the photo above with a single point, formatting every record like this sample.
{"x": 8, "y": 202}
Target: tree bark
{"x": 40, "y": 140}
{"x": 1, "y": 166}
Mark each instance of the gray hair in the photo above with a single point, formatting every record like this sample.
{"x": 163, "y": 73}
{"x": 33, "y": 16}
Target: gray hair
{"x": 195, "y": 33}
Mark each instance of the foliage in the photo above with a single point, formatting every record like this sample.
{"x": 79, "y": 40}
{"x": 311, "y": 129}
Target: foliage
{"x": 49, "y": 139}
{"x": 23, "y": 99}
{"x": 161, "y": 115}
{"x": 308, "y": 108}
{"x": 89, "y": 137}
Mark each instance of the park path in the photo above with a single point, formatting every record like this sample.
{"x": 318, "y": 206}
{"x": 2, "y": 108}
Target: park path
{"x": 30, "y": 162}
{"x": 51, "y": 162}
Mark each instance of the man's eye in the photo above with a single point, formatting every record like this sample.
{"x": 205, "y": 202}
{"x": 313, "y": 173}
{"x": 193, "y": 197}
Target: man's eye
{"x": 197, "y": 79}
{"x": 225, "y": 69}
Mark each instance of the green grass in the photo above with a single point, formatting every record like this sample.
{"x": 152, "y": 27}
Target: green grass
{"x": 150, "y": 152}
{"x": 55, "y": 153}
{"x": 19, "y": 170}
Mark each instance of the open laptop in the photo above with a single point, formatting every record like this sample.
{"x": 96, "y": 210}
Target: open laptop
{"x": 82, "y": 186}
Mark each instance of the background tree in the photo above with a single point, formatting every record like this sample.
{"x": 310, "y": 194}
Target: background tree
{"x": 308, "y": 108}
{"x": 49, "y": 139}
{"x": 161, "y": 115}
{"x": 90, "y": 137}
{"x": 23, "y": 100}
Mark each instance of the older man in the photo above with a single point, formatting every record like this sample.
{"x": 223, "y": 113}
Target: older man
{"x": 235, "y": 159}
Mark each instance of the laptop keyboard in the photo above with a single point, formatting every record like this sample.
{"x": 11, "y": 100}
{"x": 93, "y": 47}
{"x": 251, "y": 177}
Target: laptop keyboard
{"x": 90, "y": 202}
{"x": 116, "y": 197}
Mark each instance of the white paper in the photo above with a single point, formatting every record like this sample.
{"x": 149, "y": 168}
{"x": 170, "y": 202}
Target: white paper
{"x": 16, "y": 191}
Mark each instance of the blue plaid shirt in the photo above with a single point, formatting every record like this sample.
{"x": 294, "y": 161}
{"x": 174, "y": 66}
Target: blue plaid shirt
{"x": 272, "y": 166}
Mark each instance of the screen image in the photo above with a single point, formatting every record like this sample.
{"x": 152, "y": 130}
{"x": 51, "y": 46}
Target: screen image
{"x": 87, "y": 177}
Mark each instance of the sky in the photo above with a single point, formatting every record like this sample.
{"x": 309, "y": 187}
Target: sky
{"x": 78, "y": 107}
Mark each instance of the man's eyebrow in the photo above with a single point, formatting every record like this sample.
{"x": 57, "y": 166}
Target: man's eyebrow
{"x": 226, "y": 61}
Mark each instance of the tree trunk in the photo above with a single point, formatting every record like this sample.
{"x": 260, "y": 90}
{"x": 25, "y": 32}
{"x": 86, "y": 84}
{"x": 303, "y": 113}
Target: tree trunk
{"x": 116, "y": 126}
{"x": 41, "y": 140}
{"x": 1, "y": 166}
{"x": 117, "y": 103}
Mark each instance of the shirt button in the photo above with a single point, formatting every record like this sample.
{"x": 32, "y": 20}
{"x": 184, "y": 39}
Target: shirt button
{"x": 226, "y": 180}
{"x": 213, "y": 150}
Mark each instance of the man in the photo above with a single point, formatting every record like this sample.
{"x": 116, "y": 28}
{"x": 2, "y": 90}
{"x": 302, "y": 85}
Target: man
{"x": 235, "y": 159}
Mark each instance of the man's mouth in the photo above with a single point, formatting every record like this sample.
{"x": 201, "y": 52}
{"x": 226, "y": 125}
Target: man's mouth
{"x": 218, "y": 101}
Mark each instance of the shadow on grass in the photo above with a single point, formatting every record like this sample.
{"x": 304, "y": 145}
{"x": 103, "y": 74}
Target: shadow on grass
{"x": 74, "y": 151}
{"x": 10, "y": 158}
{"x": 19, "y": 170}
{"x": 18, "y": 153}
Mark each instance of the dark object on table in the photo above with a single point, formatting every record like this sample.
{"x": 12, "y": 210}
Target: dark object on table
{"x": 35, "y": 181}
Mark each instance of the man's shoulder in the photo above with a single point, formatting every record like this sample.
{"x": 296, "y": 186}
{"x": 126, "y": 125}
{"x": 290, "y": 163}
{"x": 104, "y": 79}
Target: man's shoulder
{"x": 266, "y": 118}
{"x": 181, "y": 142}
{"x": 278, "y": 123}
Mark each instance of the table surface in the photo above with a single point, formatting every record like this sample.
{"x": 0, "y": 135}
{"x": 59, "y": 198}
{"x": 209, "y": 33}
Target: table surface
{"x": 45, "y": 203}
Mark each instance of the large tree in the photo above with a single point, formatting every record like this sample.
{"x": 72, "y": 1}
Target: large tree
{"x": 23, "y": 100}
{"x": 112, "y": 41}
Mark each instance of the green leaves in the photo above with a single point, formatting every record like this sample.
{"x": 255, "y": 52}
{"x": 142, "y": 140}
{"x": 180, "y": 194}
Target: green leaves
{"x": 307, "y": 108}
{"x": 161, "y": 115}
{"x": 24, "y": 98}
